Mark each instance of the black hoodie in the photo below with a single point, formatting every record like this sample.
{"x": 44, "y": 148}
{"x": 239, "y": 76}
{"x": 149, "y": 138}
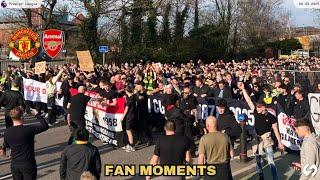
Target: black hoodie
{"x": 176, "y": 115}
{"x": 227, "y": 122}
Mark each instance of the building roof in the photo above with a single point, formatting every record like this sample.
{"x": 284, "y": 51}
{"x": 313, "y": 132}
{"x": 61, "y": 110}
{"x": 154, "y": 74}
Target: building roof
{"x": 9, "y": 25}
{"x": 305, "y": 31}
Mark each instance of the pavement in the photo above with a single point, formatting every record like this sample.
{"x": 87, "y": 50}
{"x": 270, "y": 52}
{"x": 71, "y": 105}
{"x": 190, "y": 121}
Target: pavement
{"x": 50, "y": 144}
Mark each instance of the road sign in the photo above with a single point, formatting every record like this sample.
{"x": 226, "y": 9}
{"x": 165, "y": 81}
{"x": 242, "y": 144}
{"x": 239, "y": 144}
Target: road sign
{"x": 103, "y": 49}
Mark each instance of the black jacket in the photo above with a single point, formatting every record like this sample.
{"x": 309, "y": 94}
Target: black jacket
{"x": 227, "y": 122}
{"x": 20, "y": 139}
{"x": 285, "y": 103}
{"x": 11, "y": 99}
{"x": 226, "y": 93}
{"x": 301, "y": 110}
{"x": 187, "y": 105}
{"x": 178, "y": 117}
{"x": 78, "y": 158}
{"x": 66, "y": 94}
{"x": 78, "y": 109}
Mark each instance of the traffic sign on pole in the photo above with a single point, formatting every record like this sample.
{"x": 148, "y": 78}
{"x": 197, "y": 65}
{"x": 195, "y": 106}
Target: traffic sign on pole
{"x": 104, "y": 50}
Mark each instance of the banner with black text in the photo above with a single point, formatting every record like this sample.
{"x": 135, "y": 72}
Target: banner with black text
{"x": 104, "y": 122}
{"x": 314, "y": 102}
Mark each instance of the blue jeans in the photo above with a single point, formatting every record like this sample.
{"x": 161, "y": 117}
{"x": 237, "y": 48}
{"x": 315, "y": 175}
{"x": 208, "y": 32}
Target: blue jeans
{"x": 259, "y": 161}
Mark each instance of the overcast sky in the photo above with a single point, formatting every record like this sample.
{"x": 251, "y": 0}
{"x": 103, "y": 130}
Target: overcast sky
{"x": 302, "y": 17}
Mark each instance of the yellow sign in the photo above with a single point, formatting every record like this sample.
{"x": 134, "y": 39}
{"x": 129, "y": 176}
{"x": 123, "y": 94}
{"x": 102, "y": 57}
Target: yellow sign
{"x": 40, "y": 67}
{"x": 85, "y": 61}
{"x": 288, "y": 57}
{"x": 304, "y": 41}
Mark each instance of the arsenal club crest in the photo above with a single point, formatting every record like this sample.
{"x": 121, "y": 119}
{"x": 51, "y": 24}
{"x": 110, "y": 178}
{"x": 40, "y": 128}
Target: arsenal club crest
{"x": 24, "y": 43}
{"x": 52, "y": 42}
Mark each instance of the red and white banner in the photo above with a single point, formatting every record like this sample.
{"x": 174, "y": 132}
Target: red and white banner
{"x": 102, "y": 121}
{"x": 36, "y": 91}
{"x": 289, "y": 137}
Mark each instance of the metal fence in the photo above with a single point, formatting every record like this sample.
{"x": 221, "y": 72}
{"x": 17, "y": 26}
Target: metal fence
{"x": 4, "y": 53}
{"x": 4, "y": 64}
{"x": 308, "y": 80}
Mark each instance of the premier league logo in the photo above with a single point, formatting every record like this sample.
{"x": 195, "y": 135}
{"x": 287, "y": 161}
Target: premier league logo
{"x": 52, "y": 42}
{"x": 4, "y": 4}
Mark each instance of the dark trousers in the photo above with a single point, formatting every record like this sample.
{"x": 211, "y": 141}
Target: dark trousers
{"x": 52, "y": 110}
{"x": 52, "y": 114}
{"x": 8, "y": 120}
{"x": 143, "y": 127}
{"x": 40, "y": 107}
{"x": 189, "y": 135}
{"x": 73, "y": 129}
{"x": 59, "y": 111}
{"x": 24, "y": 171}
{"x": 223, "y": 171}
{"x": 65, "y": 114}
{"x": 124, "y": 139}
{"x": 201, "y": 125}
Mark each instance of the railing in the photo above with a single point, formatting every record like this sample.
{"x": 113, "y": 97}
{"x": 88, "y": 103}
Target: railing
{"x": 4, "y": 64}
{"x": 307, "y": 79}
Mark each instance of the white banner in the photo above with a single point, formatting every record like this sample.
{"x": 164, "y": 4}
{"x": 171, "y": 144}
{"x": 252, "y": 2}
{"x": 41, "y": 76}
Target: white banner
{"x": 36, "y": 91}
{"x": 103, "y": 125}
{"x": 103, "y": 122}
{"x": 19, "y": 4}
{"x": 289, "y": 137}
{"x": 314, "y": 102}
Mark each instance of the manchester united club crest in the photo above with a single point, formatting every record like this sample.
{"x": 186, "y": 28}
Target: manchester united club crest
{"x": 24, "y": 43}
{"x": 52, "y": 42}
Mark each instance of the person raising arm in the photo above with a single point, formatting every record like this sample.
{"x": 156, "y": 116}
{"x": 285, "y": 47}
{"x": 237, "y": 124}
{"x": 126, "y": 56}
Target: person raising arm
{"x": 264, "y": 123}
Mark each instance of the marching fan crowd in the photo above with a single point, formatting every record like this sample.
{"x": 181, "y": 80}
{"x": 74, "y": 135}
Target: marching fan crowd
{"x": 255, "y": 81}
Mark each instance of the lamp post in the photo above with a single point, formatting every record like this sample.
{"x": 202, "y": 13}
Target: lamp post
{"x": 243, "y": 137}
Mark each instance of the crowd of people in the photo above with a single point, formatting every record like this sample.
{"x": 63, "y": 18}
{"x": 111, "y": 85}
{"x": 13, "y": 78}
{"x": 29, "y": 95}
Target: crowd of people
{"x": 182, "y": 85}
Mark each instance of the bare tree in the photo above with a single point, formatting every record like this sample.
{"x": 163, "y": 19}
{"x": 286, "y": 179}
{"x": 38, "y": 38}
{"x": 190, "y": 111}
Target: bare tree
{"x": 36, "y": 19}
{"x": 260, "y": 21}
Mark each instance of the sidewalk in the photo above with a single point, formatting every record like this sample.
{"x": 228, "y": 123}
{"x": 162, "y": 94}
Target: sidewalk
{"x": 247, "y": 170}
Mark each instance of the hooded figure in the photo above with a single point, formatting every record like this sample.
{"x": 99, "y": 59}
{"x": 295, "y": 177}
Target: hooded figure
{"x": 174, "y": 113}
{"x": 227, "y": 122}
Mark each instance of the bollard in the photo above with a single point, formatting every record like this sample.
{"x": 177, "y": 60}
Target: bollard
{"x": 243, "y": 138}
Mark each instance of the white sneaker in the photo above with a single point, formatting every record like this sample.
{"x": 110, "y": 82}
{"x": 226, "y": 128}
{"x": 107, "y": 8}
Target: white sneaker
{"x": 50, "y": 125}
{"x": 125, "y": 147}
{"x": 130, "y": 149}
{"x": 56, "y": 122}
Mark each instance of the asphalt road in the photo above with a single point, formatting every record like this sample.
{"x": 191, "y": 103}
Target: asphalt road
{"x": 50, "y": 144}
